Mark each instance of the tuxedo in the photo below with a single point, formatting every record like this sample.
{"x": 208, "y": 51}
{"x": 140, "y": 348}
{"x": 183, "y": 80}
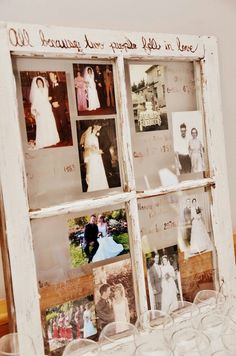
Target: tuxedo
{"x": 188, "y": 223}
{"x": 105, "y": 145}
{"x": 104, "y": 312}
{"x": 100, "y": 85}
{"x": 90, "y": 236}
{"x": 155, "y": 280}
{"x": 57, "y": 91}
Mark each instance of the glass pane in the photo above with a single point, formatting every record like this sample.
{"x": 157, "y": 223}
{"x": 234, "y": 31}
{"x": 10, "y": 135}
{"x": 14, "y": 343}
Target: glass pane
{"x": 68, "y": 120}
{"x": 177, "y": 245}
{"x": 167, "y": 126}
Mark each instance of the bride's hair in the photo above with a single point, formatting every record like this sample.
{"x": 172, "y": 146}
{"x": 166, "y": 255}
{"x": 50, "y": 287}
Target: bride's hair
{"x": 34, "y": 89}
{"x": 119, "y": 287}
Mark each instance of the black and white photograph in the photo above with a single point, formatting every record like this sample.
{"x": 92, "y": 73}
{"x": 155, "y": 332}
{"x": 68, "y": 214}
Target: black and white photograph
{"x": 163, "y": 276}
{"x": 114, "y": 294}
{"x": 188, "y": 142}
{"x": 71, "y": 320}
{"x": 98, "y": 154}
{"x": 94, "y": 89}
{"x": 98, "y": 237}
{"x": 46, "y": 109}
{"x": 148, "y": 97}
{"x": 195, "y": 225}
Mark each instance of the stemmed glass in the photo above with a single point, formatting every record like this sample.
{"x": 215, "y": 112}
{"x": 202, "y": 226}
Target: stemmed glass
{"x": 214, "y": 325}
{"x": 188, "y": 341}
{"x": 16, "y": 344}
{"x": 208, "y": 300}
{"x": 184, "y": 314}
{"x": 118, "y": 338}
{"x": 154, "y": 326}
{"x": 82, "y": 347}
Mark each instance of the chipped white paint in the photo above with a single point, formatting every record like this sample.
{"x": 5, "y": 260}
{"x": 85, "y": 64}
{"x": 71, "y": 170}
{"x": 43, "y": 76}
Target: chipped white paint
{"x": 13, "y": 182}
{"x": 82, "y": 205}
{"x": 221, "y": 218}
{"x": 186, "y": 185}
{"x": 32, "y": 40}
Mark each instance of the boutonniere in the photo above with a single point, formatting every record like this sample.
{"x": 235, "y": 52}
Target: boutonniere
{"x": 98, "y": 134}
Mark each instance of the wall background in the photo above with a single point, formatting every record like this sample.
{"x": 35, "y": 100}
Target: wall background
{"x": 198, "y": 17}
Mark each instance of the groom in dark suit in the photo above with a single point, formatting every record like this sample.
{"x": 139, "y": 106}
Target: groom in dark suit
{"x": 90, "y": 236}
{"x": 103, "y": 307}
{"x": 57, "y": 95}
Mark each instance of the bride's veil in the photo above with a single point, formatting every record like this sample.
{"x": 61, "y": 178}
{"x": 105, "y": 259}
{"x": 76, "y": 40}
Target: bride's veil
{"x": 87, "y": 76}
{"x": 34, "y": 89}
{"x": 84, "y": 135}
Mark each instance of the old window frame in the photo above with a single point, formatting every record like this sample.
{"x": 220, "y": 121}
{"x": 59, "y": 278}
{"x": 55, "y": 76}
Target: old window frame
{"x": 42, "y": 41}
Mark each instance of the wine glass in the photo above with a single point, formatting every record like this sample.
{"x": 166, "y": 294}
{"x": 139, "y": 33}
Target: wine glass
{"x": 184, "y": 314}
{"x": 82, "y": 347}
{"x": 214, "y": 325}
{"x": 154, "y": 322}
{"x": 150, "y": 348}
{"x": 208, "y": 300}
{"x": 117, "y": 338}
{"x": 16, "y": 344}
{"x": 229, "y": 340}
{"x": 188, "y": 341}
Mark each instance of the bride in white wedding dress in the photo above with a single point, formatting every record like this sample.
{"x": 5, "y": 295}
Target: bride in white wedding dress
{"x": 46, "y": 129}
{"x": 200, "y": 240}
{"x": 169, "y": 299}
{"x": 120, "y": 307}
{"x": 93, "y": 101}
{"x": 107, "y": 246}
{"x": 95, "y": 172}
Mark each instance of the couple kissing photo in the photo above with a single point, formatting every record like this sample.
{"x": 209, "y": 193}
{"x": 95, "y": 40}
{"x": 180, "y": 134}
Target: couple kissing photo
{"x": 114, "y": 294}
{"x": 98, "y": 237}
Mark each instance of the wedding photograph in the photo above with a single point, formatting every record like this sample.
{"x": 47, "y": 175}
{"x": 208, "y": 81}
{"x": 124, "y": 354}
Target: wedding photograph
{"x": 46, "y": 109}
{"x": 94, "y": 89}
{"x": 71, "y": 320}
{"x": 98, "y": 237}
{"x": 98, "y": 154}
{"x": 114, "y": 294}
{"x": 163, "y": 277}
{"x": 188, "y": 140}
{"x": 148, "y": 97}
{"x": 194, "y": 224}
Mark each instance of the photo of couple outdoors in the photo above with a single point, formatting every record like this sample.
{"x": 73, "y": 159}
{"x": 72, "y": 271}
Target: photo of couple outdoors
{"x": 94, "y": 87}
{"x": 114, "y": 294}
{"x": 46, "y": 109}
{"x": 188, "y": 142}
{"x": 98, "y": 154}
{"x": 98, "y": 237}
{"x": 194, "y": 234}
{"x": 163, "y": 278}
{"x": 69, "y": 321}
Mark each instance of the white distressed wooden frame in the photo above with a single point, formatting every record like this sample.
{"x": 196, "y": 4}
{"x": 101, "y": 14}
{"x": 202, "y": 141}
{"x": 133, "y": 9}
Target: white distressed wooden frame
{"x": 35, "y": 40}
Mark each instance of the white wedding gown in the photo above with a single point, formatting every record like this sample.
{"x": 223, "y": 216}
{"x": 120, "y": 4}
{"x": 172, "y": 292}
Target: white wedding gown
{"x": 46, "y": 129}
{"x": 169, "y": 299}
{"x": 95, "y": 172}
{"x": 121, "y": 313}
{"x": 93, "y": 101}
{"x": 89, "y": 328}
{"x": 107, "y": 246}
{"x": 200, "y": 240}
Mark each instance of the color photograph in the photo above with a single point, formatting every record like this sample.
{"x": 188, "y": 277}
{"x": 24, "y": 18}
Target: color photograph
{"x": 99, "y": 163}
{"x": 148, "y": 97}
{"x": 69, "y": 321}
{"x": 46, "y": 109}
{"x": 114, "y": 294}
{"x": 94, "y": 89}
{"x": 163, "y": 276}
{"x": 98, "y": 237}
